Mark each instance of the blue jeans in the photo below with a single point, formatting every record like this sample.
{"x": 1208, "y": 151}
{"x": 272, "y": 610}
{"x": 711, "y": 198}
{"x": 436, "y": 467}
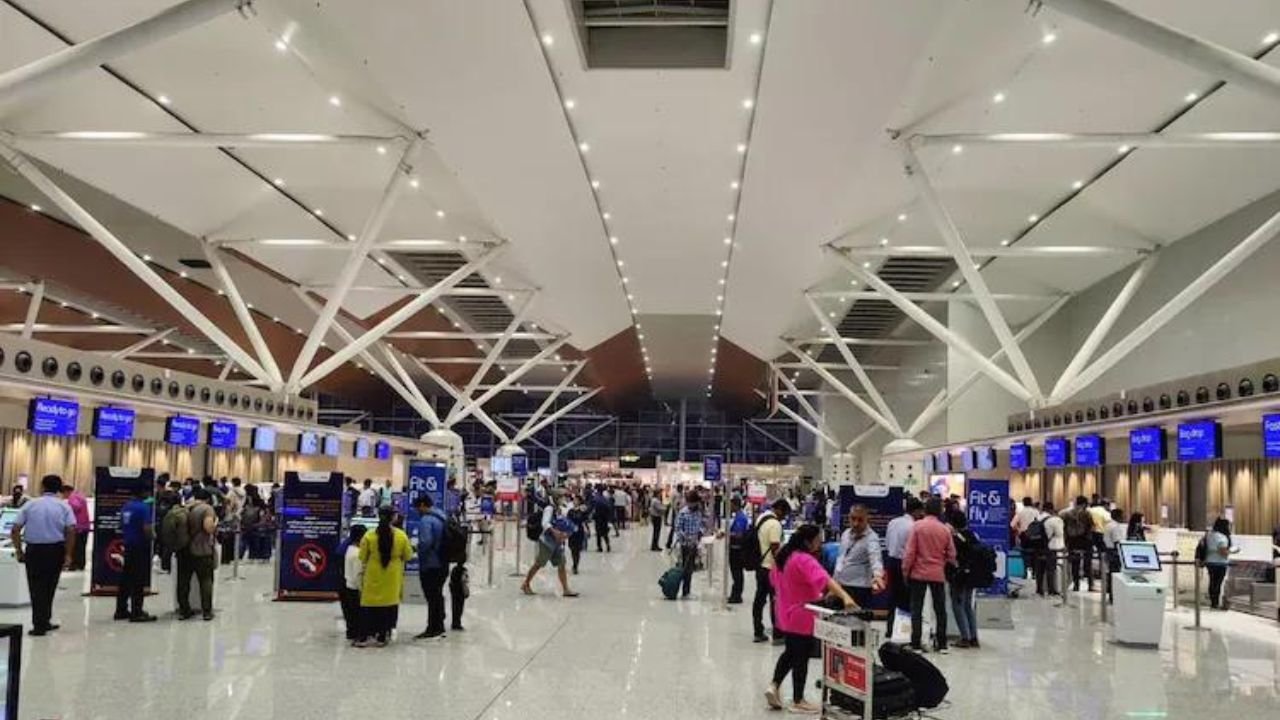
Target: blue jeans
{"x": 962, "y": 608}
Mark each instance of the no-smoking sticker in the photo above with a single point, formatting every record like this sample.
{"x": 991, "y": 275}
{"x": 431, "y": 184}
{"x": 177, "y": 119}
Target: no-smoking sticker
{"x": 309, "y": 561}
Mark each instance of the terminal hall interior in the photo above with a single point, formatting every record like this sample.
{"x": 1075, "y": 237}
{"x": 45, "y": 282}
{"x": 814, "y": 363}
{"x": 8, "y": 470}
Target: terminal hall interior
{"x": 498, "y": 359}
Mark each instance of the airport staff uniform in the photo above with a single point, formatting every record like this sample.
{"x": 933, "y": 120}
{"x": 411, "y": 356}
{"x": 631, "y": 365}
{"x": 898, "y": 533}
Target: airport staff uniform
{"x": 49, "y": 528}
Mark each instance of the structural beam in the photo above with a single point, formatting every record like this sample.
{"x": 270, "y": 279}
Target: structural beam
{"x": 546, "y": 404}
{"x": 1042, "y": 251}
{"x": 1104, "y": 325}
{"x": 416, "y": 245}
{"x": 394, "y": 320}
{"x": 505, "y": 382}
{"x": 227, "y": 367}
{"x": 752, "y": 424}
{"x": 843, "y": 389}
{"x": 494, "y": 353}
{"x": 355, "y": 262}
{"x": 835, "y": 366}
{"x": 803, "y": 423}
{"x": 407, "y": 290}
{"x": 162, "y": 355}
{"x": 969, "y": 270}
{"x": 861, "y": 438}
{"x": 864, "y": 342}
{"x": 143, "y": 344}
{"x": 569, "y": 407}
{"x": 452, "y": 335}
{"x": 1210, "y": 277}
{"x": 804, "y": 403}
{"x": 49, "y": 328}
{"x": 201, "y": 140}
{"x": 244, "y": 315}
{"x": 130, "y": 260}
{"x": 1105, "y": 140}
{"x": 936, "y": 328}
{"x": 854, "y": 365}
{"x": 1195, "y": 52}
{"x": 506, "y": 360}
{"x": 600, "y": 426}
{"x": 453, "y": 392}
{"x": 928, "y": 296}
{"x": 33, "y": 310}
{"x": 39, "y": 74}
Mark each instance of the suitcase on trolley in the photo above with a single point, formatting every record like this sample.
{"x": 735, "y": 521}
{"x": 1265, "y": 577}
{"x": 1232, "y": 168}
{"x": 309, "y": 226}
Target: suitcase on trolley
{"x": 893, "y": 695}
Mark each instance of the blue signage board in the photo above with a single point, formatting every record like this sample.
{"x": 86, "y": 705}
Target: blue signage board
{"x": 113, "y": 423}
{"x": 426, "y": 477}
{"x": 1091, "y": 451}
{"x": 988, "y": 510}
{"x": 985, "y": 457}
{"x": 223, "y": 434}
{"x": 1057, "y": 452}
{"x": 1019, "y": 456}
{"x": 182, "y": 430}
{"x": 308, "y": 566}
{"x": 1199, "y": 440}
{"x": 1271, "y": 435}
{"x": 1147, "y": 445}
{"x": 382, "y": 450}
{"x": 308, "y": 443}
{"x": 942, "y": 461}
{"x": 712, "y": 469}
{"x": 264, "y": 439}
{"x": 520, "y": 465}
{"x": 332, "y": 445}
{"x": 49, "y": 416}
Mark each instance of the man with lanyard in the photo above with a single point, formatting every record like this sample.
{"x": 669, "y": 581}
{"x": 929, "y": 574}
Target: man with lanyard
{"x": 895, "y": 540}
{"x": 738, "y": 527}
{"x": 433, "y": 567}
{"x": 691, "y": 525}
{"x": 769, "y": 531}
{"x": 51, "y": 537}
{"x": 137, "y": 530}
{"x": 859, "y": 568}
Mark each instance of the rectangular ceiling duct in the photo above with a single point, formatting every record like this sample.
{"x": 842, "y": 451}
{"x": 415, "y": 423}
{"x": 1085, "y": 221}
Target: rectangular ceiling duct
{"x": 637, "y": 34}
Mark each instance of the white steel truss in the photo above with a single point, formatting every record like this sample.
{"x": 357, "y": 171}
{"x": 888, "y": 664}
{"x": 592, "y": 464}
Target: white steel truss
{"x": 456, "y": 394}
{"x": 568, "y": 407}
{"x": 885, "y": 415}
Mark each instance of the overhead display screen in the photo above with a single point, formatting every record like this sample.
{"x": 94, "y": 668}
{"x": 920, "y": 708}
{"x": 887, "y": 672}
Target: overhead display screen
{"x": 222, "y": 434}
{"x": 1019, "y": 456}
{"x": 182, "y": 430}
{"x": 1271, "y": 435}
{"x": 1199, "y": 440}
{"x": 382, "y": 450}
{"x": 264, "y": 439}
{"x": 928, "y": 463}
{"x": 1057, "y": 452}
{"x": 1091, "y": 451}
{"x": 332, "y": 446}
{"x": 985, "y": 457}
{"x": 362, "y": 448}
{"x": 308, "y": 443}
{"x": 967, "y": 462}
{"x": 942, "y": 461}
{"x": 48, "y": 416}
{"x": 1147, "y": 445}
{"x": 113, "y": 423}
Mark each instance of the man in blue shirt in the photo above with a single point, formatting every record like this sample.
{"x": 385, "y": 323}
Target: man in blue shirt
{"x": 738, "y": 527}
{"x": 50, "y": 535}
{"x": 136, "y": 530}
{"x": 433, "y": 567}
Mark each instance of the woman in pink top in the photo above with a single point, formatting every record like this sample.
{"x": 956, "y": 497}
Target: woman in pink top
{"x": 799, "y": 579}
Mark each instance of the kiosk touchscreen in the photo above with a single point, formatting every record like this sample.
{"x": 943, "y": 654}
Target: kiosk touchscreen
{"x": 13, "y": 576}
{"x": 1139, "y": 596}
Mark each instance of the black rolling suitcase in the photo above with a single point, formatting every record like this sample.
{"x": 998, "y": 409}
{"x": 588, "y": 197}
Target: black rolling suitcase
{"x": 893, "y": 695}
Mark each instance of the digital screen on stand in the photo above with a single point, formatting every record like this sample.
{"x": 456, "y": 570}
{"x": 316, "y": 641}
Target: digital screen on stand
{"x": 519, "y": 465}
{"x": 1147, "y": 445}
{"x": 49, "y": 416}
{"x": 986, "y": 457}
{"x": 223, "y": 434}
{"x": 1139, "y": 556}
{"x": 1091, "y": 451}
{"x": 1199, "y": 440}
{"x": 1019, "y": 456}
{"x": 1271, "y": 435}
{"x": 113, "y": 423}
{"x": 1057, "y": 452}
{"x": 182, "y": 430}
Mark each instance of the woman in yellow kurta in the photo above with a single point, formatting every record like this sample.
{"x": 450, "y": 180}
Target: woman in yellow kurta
{"x": 383, "y": 554}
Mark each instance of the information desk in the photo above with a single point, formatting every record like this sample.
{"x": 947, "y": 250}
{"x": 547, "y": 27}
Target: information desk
{"x": 1139, "y": 595}
{"x": 13, "y": 576}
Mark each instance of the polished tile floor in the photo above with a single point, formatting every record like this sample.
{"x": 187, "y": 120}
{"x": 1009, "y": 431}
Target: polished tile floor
{"x": 619, "y": 651}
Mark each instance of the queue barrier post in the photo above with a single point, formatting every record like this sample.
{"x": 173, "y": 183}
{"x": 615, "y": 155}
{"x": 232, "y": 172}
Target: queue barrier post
{"x": 1196, "y": 589}
{"x": 1174, "y": 579}
{"x": 1104, "y": 564}
{"x": 489, "y": 560}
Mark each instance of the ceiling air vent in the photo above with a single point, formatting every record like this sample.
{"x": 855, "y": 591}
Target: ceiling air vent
{"x": 654, "y": 33}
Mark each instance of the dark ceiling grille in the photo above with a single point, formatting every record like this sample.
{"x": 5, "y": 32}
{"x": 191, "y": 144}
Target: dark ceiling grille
{"x": 877, "y": 318}
{"x": 604, "y": 13}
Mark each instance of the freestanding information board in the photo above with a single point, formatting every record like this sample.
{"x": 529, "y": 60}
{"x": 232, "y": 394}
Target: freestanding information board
{"x": 112, "y": 488}
{"x": 307, "y": 565}
{"x": 426, "y": 477}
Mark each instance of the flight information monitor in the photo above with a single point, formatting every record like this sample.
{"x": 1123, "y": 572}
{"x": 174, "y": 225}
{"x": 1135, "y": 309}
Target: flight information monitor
{"x": 264, "y": 439}
{"x": 113, "y": 423}
{"x": 1139, "y": 556}
{"x": 1057, "y": 452}
{"x": 182, "y": 430}
{"x": 382, "y": 450}
{"x": 1019, "y": 456}
{"x": 308, "y": 443}
{"x": 223, "y": 434}
{"x": 1199, "y": 440}
{"x": 362, "y": 448}
{"x": 942, "y": 461}
{"x": 50, "y": 416}
{"x": 1091, "y": 451}
{"x": 332, "y": 446}
{"x": 1271, "y": 436}
{"x": 1146, "y": 445}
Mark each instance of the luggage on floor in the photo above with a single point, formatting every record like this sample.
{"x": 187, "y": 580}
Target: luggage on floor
{"x": 927, "y": 681}
{"x": 893, "y": 695}
{"x": 670, "y": 582}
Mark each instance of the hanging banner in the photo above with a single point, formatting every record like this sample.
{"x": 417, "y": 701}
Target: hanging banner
{"x": 112, "y": 488}
{"x": 307, "y": 566}
{"x": 712, "y": 469}
{"x": 426, "y": 477}
{"x": 988, "y": 509}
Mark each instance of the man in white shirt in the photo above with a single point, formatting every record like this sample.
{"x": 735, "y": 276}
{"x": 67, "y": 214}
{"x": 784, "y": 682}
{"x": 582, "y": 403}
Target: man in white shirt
{"x": 895, "y": 541}
{"x": 368, "y": 502}
{"x": 1023, "y": 518}
{"x": 621, "y": 510}
{"x": 1117, "y": 532}
{"x": 1047, "y": 562}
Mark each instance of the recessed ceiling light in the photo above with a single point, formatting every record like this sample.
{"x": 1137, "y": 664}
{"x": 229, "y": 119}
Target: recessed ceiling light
{"x": 1049, "y": 38}
{"x": 620, "y": 263}
{"x": 319, "y": 212}
{"x": 866, "y": 264}
{"x": 439, "y": 213}
{"x": 724, "y": 263}
{"x": 36, "y": 208}
{"x": 742, "y": 148}
{"x": 955, "y": 283}
{"x": 630, "y": 297}
{"x": 278, "y": 182}
{"x": 164, "y": 99}
{"x": 275, "y": 319}
{"x": 853, "y": 283}
{"x": 415, "y": 183}
{"x": 181, "y": 274}
{"x": 381, "y": 261}
{"x": 497, "y": 280}
{"x": 728, "y": 241}
{"x": 831, "y": 315}
{"x": 570, "y": 103}
{"x": 1271, "y": 38}
{"x": 719, "y": 298}
{"x": 1123, "y": 149}
{"x": 595, "y": 184}
{"x": 351, "y": 237}
{"x": 462, "y": 238}
{"x": 721, "y": 281}
{"x": 902, "y": 217}
{"x": 382, "y": 149}
{"x": 642, "y": 336}
{"x": 1191, "y": 97}
{"x": 281, "y": 45}
{"x": 997, "y": 98}
{"x": 624, "y": 279}
{"x": 613, "y": 239}
{"x": 1033, "y": 218}
{"x": 957, "y": 149}
{"x": 606, "y": 215}
{"x": 1077, "y": 185}
{"x": 748, "y": 103}
{"x": 884, "y": 241}
{"x": 756, "y": 38}
{"x": 584, "y": 147}
{"x": 1004, "y": 242}
{"x": 335, "y": 101}
{"x": 146, "y": 258}
{"x": 730, "y": 217}
{"x": 547, "y": 39}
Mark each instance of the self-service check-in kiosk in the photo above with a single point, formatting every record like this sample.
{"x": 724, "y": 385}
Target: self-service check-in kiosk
{"x": 1139, "y": 595}
{"x": 13, "y": 576}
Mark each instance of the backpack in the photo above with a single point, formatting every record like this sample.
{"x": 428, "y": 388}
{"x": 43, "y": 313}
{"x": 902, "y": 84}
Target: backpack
{"x": 1035, "y": 537}
{"x": 175, "y": 532}
{"x": 751, "y": 555}
{"x": 1078, "y": 523}
{"x": 533, "y": 524}
{"x": 1202, "y": 549}
{"x": 929, "y": 684}
{"x": 455, "y": 541}
{"x": 979, "y": 567}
